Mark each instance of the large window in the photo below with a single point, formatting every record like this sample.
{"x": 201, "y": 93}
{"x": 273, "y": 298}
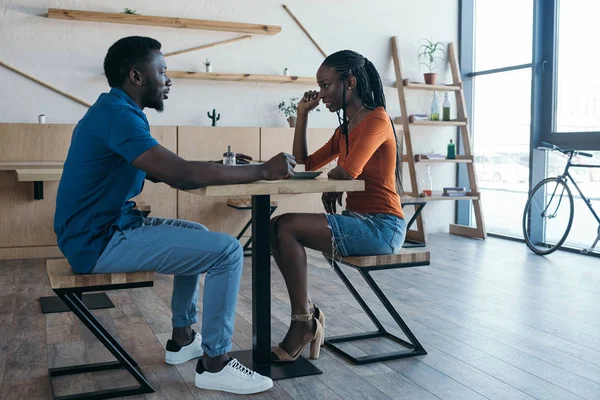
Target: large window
{"x": 529, "y": 76}
{"x": 501, "y": 109}
{"x": 577, "y": 82}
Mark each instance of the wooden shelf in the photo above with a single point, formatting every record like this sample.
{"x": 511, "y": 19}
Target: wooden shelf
{"x": 215, "y": 76}
{"x": 14, "y": 165}
{"x": 439, "y": 123}
{"x": 436, "y": 197}
{"x": 170, "y": 22}
{"x": 422, "y": 86}
{"x": 399, "y": 120}
{"x": 38, "y": 175}
{"x": 458, "y": 159}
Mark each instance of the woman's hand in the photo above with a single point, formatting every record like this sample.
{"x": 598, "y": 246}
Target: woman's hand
{"x": 329, "y": 199}
{"x": 309, "y": 102}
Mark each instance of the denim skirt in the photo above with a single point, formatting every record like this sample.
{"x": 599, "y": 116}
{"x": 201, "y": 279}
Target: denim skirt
{"x": 358, "y": 234}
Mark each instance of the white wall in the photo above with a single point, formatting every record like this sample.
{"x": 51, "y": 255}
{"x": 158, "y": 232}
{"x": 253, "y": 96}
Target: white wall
{"x": 69, "y": 55}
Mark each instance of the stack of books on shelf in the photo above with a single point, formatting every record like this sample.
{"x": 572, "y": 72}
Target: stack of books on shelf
{"x": 454, "y": 191}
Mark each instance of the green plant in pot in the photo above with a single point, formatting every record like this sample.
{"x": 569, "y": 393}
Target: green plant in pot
{"x": 290, "y": 110}
{"x": 430, "y": 53}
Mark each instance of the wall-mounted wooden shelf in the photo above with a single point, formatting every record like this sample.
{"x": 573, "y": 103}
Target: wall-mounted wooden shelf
{"x": 437, "y": 197}
{"x": 458, "y": 159}
{"x": 39, "y": 175}
{"x": 398, "y": 120}
{"x": 215, "y": 76}
{"x": 422, "y": 86}
{"x": 170, "y": 22}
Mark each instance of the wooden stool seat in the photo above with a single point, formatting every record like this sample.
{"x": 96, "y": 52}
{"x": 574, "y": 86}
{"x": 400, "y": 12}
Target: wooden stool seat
{"x": 62, "y": 277}
{"x": 364, "y": 265}
{"x": 244, "y": 203}
{"x": 70, "y": 288}
{"x": 398, "y": 260}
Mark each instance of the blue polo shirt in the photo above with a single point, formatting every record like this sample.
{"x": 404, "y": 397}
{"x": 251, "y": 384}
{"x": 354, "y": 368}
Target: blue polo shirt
{"x": 98, "y": 180}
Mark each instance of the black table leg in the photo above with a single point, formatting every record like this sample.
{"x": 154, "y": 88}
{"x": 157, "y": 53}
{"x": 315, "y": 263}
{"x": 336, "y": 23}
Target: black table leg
{"x": 259, "y": 357}
{"x": 38, "y": 190}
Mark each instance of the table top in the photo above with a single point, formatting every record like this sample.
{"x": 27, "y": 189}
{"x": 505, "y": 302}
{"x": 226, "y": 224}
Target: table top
{"x": 38, "y": 174}
{"x": 14, "y": 165}
{"x": 286, "y": 186}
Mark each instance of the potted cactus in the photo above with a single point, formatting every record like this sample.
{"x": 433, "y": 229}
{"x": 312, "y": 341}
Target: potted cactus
{"x": 214, "y": 117}
{"x": 429, "y": 56}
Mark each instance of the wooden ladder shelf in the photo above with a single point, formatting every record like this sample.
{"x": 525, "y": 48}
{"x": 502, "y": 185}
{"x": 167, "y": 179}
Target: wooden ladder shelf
{"x": 419, "y": 234}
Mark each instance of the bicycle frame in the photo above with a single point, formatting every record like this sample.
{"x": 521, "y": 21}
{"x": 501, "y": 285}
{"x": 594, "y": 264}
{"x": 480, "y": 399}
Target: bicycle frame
{"x": 566, "y": 174}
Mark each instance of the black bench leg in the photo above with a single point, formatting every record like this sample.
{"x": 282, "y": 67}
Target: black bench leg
{"x": 408, "y": 244}
{"x": 414, "y": 347}
{"x": 93, "y": 301}
{"x": 124, "y": 359}
{"x": 247, "y": 249}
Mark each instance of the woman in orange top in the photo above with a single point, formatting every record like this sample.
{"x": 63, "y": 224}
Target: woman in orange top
{"x": 366, "y": 147}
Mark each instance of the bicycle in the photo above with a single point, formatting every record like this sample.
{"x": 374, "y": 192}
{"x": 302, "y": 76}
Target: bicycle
{"x": 541, "y": 217}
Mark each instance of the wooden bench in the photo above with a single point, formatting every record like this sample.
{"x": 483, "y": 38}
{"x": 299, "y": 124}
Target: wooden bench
{"x": 70, "y": 287}
{"x": 364, "y": 265}
{"x": 245, "y": 203}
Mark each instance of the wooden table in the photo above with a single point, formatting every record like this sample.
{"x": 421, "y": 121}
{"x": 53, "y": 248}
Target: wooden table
{"x": 259, "y": 357}
{"x": 37, "y": 172}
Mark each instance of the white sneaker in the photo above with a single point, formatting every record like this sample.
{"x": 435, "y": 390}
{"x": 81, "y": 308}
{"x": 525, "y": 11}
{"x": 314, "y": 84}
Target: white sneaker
{"x": 177, "y": 354}
{"x": 233, "y": 378}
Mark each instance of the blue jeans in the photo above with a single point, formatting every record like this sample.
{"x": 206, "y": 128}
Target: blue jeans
{"x": 356, "y": 234}
{"x": 185, "y": 249}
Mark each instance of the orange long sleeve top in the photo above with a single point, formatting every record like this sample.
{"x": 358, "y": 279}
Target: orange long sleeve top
{"x": 371, "y": 157}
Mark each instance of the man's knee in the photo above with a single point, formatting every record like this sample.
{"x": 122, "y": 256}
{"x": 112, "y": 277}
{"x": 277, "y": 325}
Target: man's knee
{"x": 234, "y": 252}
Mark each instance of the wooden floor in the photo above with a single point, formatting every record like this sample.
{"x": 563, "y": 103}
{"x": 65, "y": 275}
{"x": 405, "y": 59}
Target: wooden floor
{"x": 497, "y": 321}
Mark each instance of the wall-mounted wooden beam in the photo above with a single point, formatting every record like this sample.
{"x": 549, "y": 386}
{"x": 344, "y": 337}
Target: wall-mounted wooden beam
{"x": 207, "y": 46}
{"x": 216, "y": 76}
{"x": 36, "y": 80}
{"x": 134, "y": 19}
{"x": 304, "y": 30}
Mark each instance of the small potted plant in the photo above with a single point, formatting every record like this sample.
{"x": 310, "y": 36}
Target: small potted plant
{"x": 290, "y": 110}
{"x": 207, "y": 65}
{"x": 286, "y": 72}
{"x": 130, "y": 11}
{"x": 429, "y": 56}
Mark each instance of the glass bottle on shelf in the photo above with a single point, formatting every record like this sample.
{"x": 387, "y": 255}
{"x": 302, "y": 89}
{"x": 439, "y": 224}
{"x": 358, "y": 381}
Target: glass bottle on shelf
{"x": 446, "y": 108}
{"x": 428, "y": 183}
{"x": 435, "y": 108}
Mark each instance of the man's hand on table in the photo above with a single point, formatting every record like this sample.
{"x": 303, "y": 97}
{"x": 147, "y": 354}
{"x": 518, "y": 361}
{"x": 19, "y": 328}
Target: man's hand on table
{"x": 279, "y": 167}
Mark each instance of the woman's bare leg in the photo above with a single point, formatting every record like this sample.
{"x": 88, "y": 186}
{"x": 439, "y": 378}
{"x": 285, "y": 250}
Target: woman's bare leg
{"x": 290, "y": 234}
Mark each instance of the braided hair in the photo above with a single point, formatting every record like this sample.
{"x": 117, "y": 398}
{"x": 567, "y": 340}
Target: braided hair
{"x": 369, "y": 88}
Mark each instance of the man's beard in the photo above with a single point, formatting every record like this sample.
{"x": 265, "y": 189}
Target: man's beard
{"x": 153, "y": 101}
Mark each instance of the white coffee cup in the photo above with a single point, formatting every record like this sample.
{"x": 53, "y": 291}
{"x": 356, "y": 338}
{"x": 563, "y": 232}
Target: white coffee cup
{"x": 42, "y": 119}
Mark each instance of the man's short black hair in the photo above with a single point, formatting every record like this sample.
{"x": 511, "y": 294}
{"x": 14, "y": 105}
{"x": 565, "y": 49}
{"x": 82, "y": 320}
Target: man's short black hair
{"x": 127, "y": 54}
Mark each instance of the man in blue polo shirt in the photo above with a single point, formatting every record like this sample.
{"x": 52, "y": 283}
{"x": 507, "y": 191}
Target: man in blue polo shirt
{"x": 112, "y": 152}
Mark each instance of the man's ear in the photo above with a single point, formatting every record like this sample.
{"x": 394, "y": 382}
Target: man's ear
{"x": 136, "y": 77}
{"x": 351, "y": 82}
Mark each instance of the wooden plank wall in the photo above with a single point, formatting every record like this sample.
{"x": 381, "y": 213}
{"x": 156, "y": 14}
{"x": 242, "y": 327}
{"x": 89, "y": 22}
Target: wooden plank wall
{"x": 26, "y": 225}
{"x": 209, "y": 143}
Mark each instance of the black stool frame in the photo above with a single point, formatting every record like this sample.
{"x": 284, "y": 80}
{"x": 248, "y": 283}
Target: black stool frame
{"x": 247, "y": 249}
{"x": 72, "y": 297}
{"x": 414, "y": 348}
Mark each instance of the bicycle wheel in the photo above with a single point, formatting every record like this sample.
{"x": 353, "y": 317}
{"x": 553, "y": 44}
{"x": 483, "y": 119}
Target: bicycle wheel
{"x": 548, "y": 216}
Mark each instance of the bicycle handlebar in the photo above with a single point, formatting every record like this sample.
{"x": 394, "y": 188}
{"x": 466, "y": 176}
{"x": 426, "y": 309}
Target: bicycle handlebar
{"x": 551, "y": 146}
